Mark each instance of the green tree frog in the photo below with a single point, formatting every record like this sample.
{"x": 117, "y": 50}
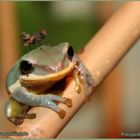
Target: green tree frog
{"x": 31, "y": 78}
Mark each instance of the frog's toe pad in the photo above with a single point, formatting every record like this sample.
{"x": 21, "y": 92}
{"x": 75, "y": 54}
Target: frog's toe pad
{"x": 68, "y": 102}
{"x": 62, "y": 113}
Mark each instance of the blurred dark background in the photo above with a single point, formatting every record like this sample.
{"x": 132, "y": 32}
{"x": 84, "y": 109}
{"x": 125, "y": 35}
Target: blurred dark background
{"x": 114, "y": 107}
{"x": 62, "y": 20}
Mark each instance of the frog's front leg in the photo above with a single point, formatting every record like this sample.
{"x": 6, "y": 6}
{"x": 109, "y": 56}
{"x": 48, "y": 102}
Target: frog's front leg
{"x": 22, "y": 95}
{"x": 82, "y": 78}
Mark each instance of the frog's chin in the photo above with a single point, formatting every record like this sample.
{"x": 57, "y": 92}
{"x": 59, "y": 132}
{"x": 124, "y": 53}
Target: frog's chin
{"x": 32, "y": 79}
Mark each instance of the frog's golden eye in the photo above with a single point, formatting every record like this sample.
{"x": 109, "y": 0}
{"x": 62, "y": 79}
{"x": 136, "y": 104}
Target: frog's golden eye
{"x": 25, "y": 67}
{"x": 70, "y": 52}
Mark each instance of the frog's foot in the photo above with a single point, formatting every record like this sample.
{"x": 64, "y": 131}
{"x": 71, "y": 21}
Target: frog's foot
{"x": 52, "y": 105}
{"x": 50, "y": 101}
{"x": 68, "y": 102}
{"x": 78, "y": 81}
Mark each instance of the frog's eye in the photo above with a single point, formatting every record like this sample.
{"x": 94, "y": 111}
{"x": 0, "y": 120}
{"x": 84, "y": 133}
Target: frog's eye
{"x": 70, "y": 52}
{"x": 26, "y": 67}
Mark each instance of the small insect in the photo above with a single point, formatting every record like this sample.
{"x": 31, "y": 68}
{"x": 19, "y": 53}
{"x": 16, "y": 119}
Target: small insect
{"x": 29, "y": 39}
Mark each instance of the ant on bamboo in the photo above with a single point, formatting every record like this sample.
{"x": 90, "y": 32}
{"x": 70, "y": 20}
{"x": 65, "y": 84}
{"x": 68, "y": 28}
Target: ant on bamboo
{"x": 29, "y": 39}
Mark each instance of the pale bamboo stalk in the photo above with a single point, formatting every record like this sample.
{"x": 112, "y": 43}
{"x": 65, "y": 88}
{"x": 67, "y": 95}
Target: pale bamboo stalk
{"x": 8, "y": 37}
{"x": 100, "y": 56}
{"x": 8, "y": 54}
{"x": 111, "y": 93}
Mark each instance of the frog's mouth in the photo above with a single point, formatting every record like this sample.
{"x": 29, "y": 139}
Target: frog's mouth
{"x": 32, "y": 79}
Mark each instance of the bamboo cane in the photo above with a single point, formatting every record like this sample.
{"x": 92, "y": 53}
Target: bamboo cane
{"x": 100, "y": 56}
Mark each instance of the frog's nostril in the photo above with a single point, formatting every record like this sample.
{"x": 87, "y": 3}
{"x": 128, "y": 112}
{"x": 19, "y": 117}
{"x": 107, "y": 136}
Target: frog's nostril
{"x": 26, "y": 67}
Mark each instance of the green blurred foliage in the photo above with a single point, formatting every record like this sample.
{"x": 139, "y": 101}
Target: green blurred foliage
{"x": 33, "y": 16}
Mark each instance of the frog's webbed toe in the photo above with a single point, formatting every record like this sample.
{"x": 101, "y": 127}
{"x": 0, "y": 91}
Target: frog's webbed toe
{"x": 68, "y": 102}
{"x": 52, "y": 105}
{"x": 78, "y": 82}
{"x": 59, "y": 99}
{"x": 51, "y": 102}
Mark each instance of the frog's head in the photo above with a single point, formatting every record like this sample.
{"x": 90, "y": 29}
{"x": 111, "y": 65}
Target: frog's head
{"x": 46, "y": 64}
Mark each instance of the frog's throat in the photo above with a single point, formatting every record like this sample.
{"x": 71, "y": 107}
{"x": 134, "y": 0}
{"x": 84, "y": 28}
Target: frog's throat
{"x": 32, "y": 79}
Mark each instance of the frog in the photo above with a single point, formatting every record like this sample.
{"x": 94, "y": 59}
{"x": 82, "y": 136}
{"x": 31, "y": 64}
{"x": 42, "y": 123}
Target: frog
{"x": 30, "y": 79}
